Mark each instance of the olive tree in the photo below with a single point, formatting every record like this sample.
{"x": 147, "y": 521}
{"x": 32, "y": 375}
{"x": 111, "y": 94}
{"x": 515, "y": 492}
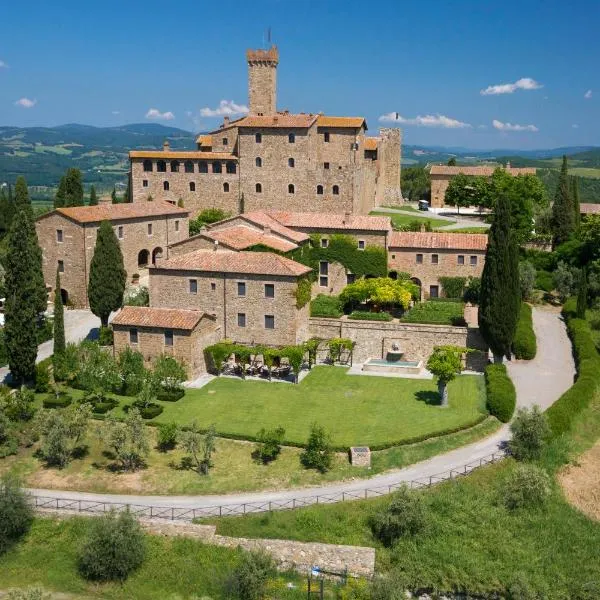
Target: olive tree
{"x": 445, "y": 363}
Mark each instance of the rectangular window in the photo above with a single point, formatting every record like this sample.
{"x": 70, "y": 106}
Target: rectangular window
{"x": 213, "y": 286}
{"x": 176, "y": 225}
{"x": 241, "y": 319}
{"x": 61, "y": 266}
{"x": 361, "y": 244}
{"x": 326, "y": 165}
{"x": 193, "y": 286}
{"x": 326, "y": 136}
{"x": 473, "y": 261}
{"x": 323, "y": 281}
{"x": 324, "y": 242}
{"x": 133, "y": 336}
{"x": 435, "y": 259}
{"x": 269, "y": 321}
{"x": 393, "y": 257}
{"x": 350, "y": 278}
{"x": 419, "y": 259}
{"x": 460, "y": 259}
{"x": 241, "y": 288}
{"x": 120, "y": 232}
{"x": 145, "y": 183}
{"x": 168, "y": 337}
{"x": 434, "y": 291}
{"x": 225, "y": 141}
{"x": 269, "y": 290}
{"x": 323, "y": 268}
{"x": 149, "y": 228}
{"x": 59, "y": 235}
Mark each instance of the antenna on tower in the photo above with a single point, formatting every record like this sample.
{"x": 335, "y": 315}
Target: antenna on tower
{"x": 269, "y": 35}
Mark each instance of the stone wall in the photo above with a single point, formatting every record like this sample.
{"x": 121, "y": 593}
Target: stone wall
{"x": 439, "y": 185}
{"x": 389, "y": 158}
{"x": 373, "y": 338}
{"x": 262, "y": 86}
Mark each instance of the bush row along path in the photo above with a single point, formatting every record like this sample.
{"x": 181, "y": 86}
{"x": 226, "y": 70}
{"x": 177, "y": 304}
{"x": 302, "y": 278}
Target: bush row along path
{"x": 540, "y": 381}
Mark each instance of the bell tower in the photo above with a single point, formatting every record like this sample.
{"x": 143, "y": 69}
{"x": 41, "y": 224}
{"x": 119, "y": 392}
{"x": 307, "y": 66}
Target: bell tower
{"x": 262, "y": 80}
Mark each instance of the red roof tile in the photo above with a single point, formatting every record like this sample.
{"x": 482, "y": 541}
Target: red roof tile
{"x": 254, "y": 263}
{"x": 266, "y": 220}
{"x": 333, "y": 122}
{"x": 183, "y": 155}
{"x": 371, "y": 143}
{"x": 450, "y": 241}
{"x": 485, "y": 171}
{"x": 589, "y": 209}
{"x": 302, "y": 121}
{"x": 240, "y": 238}
{"x": 332, "y": 221}
{"x": 168, "y": 318}
{"x": 117, "y": 212}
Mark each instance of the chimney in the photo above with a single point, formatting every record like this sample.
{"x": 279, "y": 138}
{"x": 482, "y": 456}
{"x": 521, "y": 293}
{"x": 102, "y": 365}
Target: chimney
{"x": 346, "y": 220}
{"x": 266, "y": 230}
{"x": 275, "y": 118}
{"x": 508, "y": 164}
{"x": 422, "y": 227}
{"x": 226, "y": 121}
{"x": 216, "y": 245}
{"x": 166, "y": 146}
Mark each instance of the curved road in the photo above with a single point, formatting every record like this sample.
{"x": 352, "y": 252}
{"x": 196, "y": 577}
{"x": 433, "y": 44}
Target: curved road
{"x": 540, "y": 381}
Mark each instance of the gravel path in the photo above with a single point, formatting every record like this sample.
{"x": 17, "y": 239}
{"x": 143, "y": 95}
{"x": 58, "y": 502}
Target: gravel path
{"x": 540, "y": 381}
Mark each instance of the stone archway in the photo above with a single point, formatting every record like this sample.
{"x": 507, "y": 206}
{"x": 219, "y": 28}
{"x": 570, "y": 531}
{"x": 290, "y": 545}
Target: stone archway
{"x": 156, "y": 253}
{"x": 64, "y": 296}
{"x": 143, "y": 258}
{"x": 418, "y": 282}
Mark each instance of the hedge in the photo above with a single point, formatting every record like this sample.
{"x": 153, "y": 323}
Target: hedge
{"x": 365, "y": 315}
{"x": 326, "y": 306}
{"x": 544, "y": 281}
{"x": 453, "y": 287}
{"x": 60, "y": 400}
{"x": 501, "y": 393}
{"x": 436, "y": 312}
{"x": 170, "y": 395}
{"x": 524, "y": 343}
{"x": 579, "y": 395}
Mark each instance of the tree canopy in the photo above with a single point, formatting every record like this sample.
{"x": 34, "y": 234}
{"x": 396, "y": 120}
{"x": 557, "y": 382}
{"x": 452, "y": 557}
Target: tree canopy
{"x": 563, "y": 214}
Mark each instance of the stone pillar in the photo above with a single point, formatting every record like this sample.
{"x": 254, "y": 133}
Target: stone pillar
{"x": 389, "y": 155}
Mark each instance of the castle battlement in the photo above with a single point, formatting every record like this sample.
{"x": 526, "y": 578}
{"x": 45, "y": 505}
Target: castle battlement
{"x": 266, "y": 56}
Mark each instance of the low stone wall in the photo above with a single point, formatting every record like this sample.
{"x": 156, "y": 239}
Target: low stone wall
{"x": 374, "y": 338}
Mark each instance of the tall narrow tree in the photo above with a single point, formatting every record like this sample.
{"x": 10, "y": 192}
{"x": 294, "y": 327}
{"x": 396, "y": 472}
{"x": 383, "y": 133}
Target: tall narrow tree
{"x": 127, "y": 195}
{"x": 107, "y": 274}
{"x": 59, "y": 319}
{"x": 73, "y": 188}
{"x": 113, "y": 196}
{"x": 500, "y": 298}
{"x": 61, "y": 193}
{"x": 93, "y": 196}
{"x": 576, "y": 203}
{"x": 563, "y": 222}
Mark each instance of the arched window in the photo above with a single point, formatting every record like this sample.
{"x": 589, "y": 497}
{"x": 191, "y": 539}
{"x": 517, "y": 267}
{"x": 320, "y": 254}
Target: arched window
{"x": 320, "y": 190}
{"x": 166, "y": 186}
{"x": 258, "y": 138}
{"x": 292, "y": 138}
{"x": 147, "y": 165}
{"x": 161, "y": 166}
{"x": 336, "y": 190}
{"x": 192, "y": 186}
{"x": 291, "y": 162}
{"x": 291, "y": 188}
{"x": 203, "y": 166}
{"x": 217, "y": 167}
{"x": 258, "y": 161}
{"x": 189, "y": 166}
{"x": 230, "y": 167}
{"x": 258, "y": 188}
{"x": 225, "y": 187}
{"x": 174, "y": 166}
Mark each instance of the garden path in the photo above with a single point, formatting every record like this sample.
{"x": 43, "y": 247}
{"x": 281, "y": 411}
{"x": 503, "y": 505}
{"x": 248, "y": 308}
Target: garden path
{"x": 540, "y": 381}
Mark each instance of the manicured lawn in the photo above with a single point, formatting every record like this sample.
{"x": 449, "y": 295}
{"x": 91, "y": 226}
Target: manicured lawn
{"x": 399, "y": 219}
{"x": 466, "y": 230}
{"x": 356, "y": 410}
{"x": 442, "y": 313}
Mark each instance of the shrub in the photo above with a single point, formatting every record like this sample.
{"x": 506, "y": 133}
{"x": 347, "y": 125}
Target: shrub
{"x": 132, "y": 371}
{"x": 137, "y": 296}
{"x": 34, "y": 593}
{"x": 57, "y": 400}
{"x": 16, "y": 514}
{"x": 149, "y": 411}
{"x": 169, "y": 372}
{"x": 200, "y": 446}
{"x": 530, "y": 432}
{"x": 454, "y": 287}
{"x": 326, "y": 306}
{"x": 472, "y": 290}
{"x": 365, "y": 315}
{"x": 105, "y": 336}
{"x": 404, "y": 516}
{"x": 167, "y": 436}
{"x": 527, "y": 277}
{"x": 170, "y": 395}
{"x": 128, "y": 439}
{"x": 317, "y": 454}
{"x": 97, "y": 370}
{"x": 66, "y": 364}
{"x": 101, "y": 408}
{"x": 20, "y": 405}
{"x": 436, "y": 312}
{"x": 42, "y": 377}
{"x": 249, "y": 579}
{"x": 303, "y": 292}
{"x": 524, "y": 342}
{"x": 500, "y": 391}
{"x": 114, "y": 548}
{"x": 527, "y": 486}
{"x": 544, "y": 281}
{"x": 565, "y": 280}
{"x": 269, "y": 444}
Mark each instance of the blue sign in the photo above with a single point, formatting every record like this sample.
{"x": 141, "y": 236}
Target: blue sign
{"x": 315, "y": 571}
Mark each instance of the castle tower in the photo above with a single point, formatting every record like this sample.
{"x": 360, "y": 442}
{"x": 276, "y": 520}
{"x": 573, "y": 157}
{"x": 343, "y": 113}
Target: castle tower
{"x": 389, "y": 157}
{"x": 262, "y": 80}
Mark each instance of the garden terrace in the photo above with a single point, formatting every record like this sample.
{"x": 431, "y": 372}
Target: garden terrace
{"x": 436, "y": 312}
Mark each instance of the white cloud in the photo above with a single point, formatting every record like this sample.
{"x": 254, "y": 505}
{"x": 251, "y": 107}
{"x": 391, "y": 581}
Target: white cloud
{"x": 588, "y": 95}
{"x": 155, "y": 114}
{"x": 226, "y": 108}
{"x": 424, "y": 121}
{"x": 525, "y": 83}
{"x": 575, "y": 126}
{"x": 116, "y": 112}
{"x": 3, "y": 65}
{"x": 25, "y": 102}
{"x": 512, "y": 127}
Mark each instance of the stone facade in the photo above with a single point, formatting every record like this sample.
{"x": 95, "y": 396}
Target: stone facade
{"x": 262, "y": 80}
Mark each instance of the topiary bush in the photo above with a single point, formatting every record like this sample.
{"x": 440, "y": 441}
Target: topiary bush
{"x": 57, "y": 400}
{"x": 527, "y": 486}
{"x": 16, "y": 514}
{"x": 114, "y": 548}
{"x": 170, "y": 395}
{"x": 500, "y": 391}
{"x": 148, "y": 411}
{"x": 365, "y": 315}
{"x": 524, "y": 342}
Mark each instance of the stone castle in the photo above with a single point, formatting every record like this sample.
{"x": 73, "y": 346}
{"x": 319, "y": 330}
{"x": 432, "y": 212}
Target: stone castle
{"x": 275, "y": 160}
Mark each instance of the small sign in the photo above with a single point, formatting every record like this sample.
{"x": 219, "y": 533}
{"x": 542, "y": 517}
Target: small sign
{"x": 315, "y": 571}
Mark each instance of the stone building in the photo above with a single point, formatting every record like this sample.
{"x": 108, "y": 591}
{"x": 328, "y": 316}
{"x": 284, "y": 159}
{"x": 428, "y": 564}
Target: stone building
{"x": 427, "y": 256}
{"x": 274, "y": 160}
{"x": 442, "y": 174}
{"x": 67, "y": 237}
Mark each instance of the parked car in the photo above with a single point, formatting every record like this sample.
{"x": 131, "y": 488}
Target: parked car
{"x": 423, "y": 205}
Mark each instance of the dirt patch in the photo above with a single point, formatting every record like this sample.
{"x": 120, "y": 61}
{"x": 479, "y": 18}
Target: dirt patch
{"x": 581, "y": 483}
{"x": 51, "y": 479}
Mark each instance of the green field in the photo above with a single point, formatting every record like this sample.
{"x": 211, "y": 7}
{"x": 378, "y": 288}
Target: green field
{"x": 399, "y": 220}
{"x": 585, "y": 172}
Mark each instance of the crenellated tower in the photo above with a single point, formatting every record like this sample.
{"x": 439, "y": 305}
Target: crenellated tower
{"x": 262, "y": 80}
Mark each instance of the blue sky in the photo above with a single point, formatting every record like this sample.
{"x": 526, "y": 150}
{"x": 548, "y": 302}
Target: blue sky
{"x": 110, "y": 63}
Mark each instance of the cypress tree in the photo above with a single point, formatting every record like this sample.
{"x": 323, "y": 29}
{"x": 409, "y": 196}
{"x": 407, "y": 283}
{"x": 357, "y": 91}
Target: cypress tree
{"x": 563, "y": 223}
{"x": 576, "y": 203}
{"x": 107, "y": 274}
{"x": 113, "y": 195}
{"x": 61, "y": 193}
{"x": 500, "y": 298}
{"x": 93, "y": 196}
{"x": 59, "y": 319}
{"x": 20, "y": 329}
{"x": 73, "y": 188}
{"x": 582, "y": 293}
{"x": 127, "y": 196}
{"x": 6, "y": 212}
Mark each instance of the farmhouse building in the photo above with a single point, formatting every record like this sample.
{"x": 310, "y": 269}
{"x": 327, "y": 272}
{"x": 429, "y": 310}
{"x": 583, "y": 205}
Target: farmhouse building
{"x": 67, "y": 237}
{"x": 275, "y": 160}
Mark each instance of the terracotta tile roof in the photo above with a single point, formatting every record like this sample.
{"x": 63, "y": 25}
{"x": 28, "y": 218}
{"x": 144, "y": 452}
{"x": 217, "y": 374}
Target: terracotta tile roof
{"x": 254, "y": 263}
{"x": 117, "y": 212}
{"x": 589, "y": 209}
{"x": 353, "y": 122}
{"x": 167, "y": 318}
{"x": 240, "y": 238}
{"x": 302, "y": 121}
{"x": 184, "y": 154}
{"x": 332, "y": 221}
{"x": 450, "y": 241}
{"x": 266, "y": 220}
{"x": 485, "y": 171}
{"x": 204, "y": 140}
{"x": 371, "y": 143}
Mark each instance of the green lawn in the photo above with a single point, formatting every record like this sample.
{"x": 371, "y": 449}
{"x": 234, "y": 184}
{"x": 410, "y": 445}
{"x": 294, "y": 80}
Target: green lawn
{"x": 400, "y": 219}
{"x": 437, "y": 312}
{"x": 356, "y": 410}
{"x": 466, "y": 230}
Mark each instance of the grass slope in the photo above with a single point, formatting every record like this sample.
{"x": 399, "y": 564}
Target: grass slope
{"x": 398, "y": 220}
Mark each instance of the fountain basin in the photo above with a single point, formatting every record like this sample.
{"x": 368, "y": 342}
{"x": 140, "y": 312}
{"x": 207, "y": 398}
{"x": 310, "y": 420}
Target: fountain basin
{"x": 381, "y": 365}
